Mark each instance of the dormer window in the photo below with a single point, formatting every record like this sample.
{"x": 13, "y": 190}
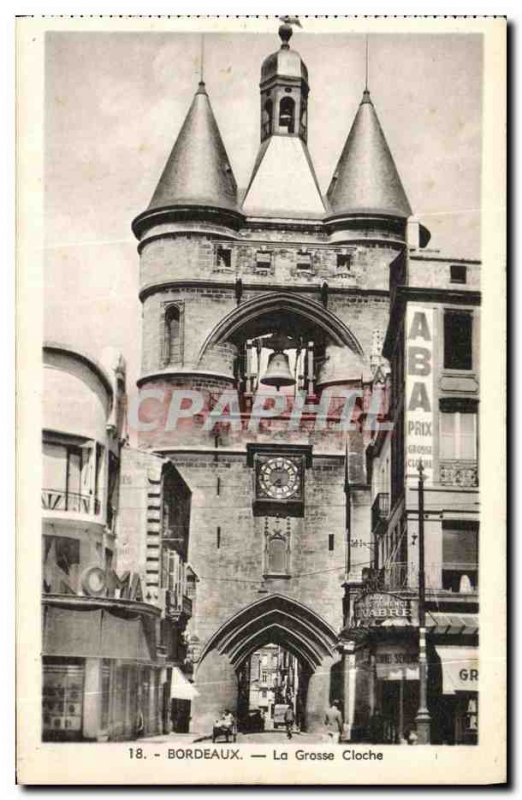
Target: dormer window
{"x": 263, "y": 260}
{"x": 304, "y": 262}
{"x": 287, "y": 114}
{"x": 223, "y": 257}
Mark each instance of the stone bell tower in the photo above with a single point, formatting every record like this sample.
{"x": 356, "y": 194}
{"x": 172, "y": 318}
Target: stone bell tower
{"x": 226, "y": 285}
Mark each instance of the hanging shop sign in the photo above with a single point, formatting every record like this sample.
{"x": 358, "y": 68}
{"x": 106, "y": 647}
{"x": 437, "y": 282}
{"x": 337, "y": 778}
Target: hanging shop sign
{"x": 396, "y": 663}
{"x": 374, "y": 608}
{"x": 419, "y": 390}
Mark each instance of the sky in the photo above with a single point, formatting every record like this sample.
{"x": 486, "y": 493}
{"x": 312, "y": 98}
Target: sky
{"x": 114, "y": 103}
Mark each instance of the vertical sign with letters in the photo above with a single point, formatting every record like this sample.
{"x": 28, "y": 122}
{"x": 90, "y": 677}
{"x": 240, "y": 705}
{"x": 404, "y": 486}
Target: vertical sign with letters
{"x": 419, "y": 391}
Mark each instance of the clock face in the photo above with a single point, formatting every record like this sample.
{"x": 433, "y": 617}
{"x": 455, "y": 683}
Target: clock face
{"x": 279, "y": 478}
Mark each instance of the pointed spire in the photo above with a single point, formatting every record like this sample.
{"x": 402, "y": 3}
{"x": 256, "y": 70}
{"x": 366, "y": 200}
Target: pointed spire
{"x": 366, "y": 178}
{"x": 198, "y": 171}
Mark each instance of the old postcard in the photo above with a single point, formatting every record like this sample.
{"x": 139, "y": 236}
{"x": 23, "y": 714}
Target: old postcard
{"x": 261, "y": 338}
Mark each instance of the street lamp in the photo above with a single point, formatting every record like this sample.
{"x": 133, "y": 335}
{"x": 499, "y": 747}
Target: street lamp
{"x": 422, "y": 718}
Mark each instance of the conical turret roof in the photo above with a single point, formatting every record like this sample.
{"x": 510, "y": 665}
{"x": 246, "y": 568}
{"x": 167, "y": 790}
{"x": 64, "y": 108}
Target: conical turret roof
{"x": 366, "y": 178}
{"x": 198, "y": 171}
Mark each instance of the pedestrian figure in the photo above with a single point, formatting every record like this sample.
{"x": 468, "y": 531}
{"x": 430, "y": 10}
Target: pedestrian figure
{"x": 334, "y": 722}
{"x": 289, "y": 721}
{"x": 139, "y": 726}
{"x": 412, "y": 737}
{"x": 224, "y": 726}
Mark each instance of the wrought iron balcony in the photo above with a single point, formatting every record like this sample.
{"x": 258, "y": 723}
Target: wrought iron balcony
{"x": 380, "y": 509}
{"x": 176, "y": 604}
{"x": 62, "y": 500}
{"x": 394, "y": 576}
{"x": 456, "y": 472}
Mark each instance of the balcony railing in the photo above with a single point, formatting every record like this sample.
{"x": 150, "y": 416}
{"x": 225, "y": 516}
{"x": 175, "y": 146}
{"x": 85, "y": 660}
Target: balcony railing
{"x": 380, "y": 509}
{"x": 175, "y": 603}
{"x": 61, "y": 500}
{"x": 456, "y": 472}
{"x": 394, "y": 576}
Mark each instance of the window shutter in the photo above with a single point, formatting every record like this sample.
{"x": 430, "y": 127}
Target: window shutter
{"x": 460, "y": 548}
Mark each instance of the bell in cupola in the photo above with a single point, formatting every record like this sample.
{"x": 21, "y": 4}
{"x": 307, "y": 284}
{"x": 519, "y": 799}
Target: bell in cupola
{"x": 278, "y": 370}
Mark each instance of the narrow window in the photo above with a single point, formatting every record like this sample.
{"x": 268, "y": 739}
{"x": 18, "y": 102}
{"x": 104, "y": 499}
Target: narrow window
{"x": 172, "y": 335}
{"x": 223, "y": 257}
{"x": 458, "y": 330}
{"x": 460, "y": 557}
{"x": 458, "y": 435}
{"x": 263, "y": 260}
{"x": 267, "y": 118}
{"x": 344, "y": 262}
{"x": 287, "y": 114}
{"x": 304, "y": 118}
{"x": 331, "y": 541}
{"x": 304, "y": 261}
{"x": 218, "y": 537}
{"x": 457, "y": 273}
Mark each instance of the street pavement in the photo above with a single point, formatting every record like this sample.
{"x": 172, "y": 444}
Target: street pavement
{"x": 264, "y": 737}
{"x": 278, "y": 737}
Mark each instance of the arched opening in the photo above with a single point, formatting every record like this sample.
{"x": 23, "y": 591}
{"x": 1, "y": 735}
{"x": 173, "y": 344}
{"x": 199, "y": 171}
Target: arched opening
{"x": 306, "y": 326}
{"x": 268, "y": 114}
{"x": 287, "y": 114}
{"x": 302, "y": 649}
{"x": 172, "y": 346}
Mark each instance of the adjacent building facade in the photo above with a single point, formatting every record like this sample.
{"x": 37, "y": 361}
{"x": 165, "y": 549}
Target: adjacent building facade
{"x": 100, "y": 636}
{"x": 432, "y": 345}
{"x": 117, "y": 591}
{"x": 152, "y": 539}
{"x": 273, "y": 678}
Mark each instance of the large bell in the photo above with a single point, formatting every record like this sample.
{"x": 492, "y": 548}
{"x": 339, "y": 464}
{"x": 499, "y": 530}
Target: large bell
{"x": 278, "y": 371}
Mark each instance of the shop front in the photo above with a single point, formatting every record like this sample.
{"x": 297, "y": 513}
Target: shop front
{"x": 386, "y": 686}
{"x": 456, "y": 714}
{"x": 182, "y": 693}
{"x": 101, "y": 677}
{"x": 385, "y": 636}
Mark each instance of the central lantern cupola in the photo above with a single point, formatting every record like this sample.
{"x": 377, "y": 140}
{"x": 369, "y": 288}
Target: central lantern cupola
{"x": 284, "y": 91}
{"x": 283, "y": 182}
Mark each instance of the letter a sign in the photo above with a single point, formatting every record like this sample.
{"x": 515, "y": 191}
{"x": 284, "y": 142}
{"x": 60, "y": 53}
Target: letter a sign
{"x": 419, "y": 391}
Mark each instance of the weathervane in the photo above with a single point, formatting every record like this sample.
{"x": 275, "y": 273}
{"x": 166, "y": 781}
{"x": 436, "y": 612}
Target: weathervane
{"x": 291, "y": 21}
{"x": 285, "y": 30}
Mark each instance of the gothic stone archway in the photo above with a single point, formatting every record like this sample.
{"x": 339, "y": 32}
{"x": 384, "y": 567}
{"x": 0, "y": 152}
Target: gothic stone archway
{"x": 276, "y": 619}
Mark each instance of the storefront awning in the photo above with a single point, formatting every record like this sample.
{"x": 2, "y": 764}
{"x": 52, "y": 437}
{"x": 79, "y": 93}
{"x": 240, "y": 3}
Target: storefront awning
{"x": 459, "y": 669}
{"x": 181, "y": 688}
{"x": 440, "y": 623}
{"x": 94, "y": 634}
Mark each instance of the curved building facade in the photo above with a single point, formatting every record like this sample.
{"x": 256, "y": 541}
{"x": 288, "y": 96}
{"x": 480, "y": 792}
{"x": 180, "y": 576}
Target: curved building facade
{"x": 101, "y": 674}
